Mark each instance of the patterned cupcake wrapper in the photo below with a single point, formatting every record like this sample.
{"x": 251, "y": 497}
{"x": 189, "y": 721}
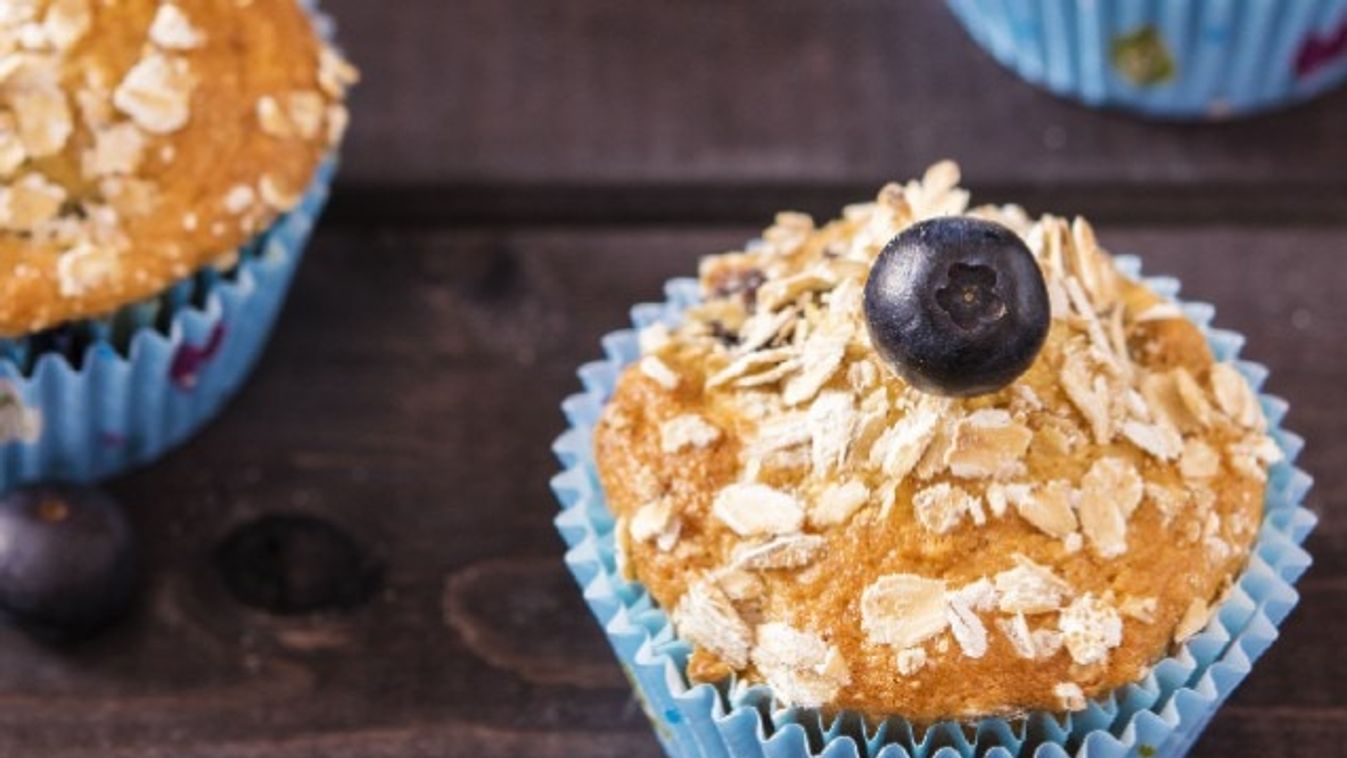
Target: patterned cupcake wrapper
{"x": 1178, "y": 59}
{"x": 1162, "y": 715}
{"x": 90, "y": 400}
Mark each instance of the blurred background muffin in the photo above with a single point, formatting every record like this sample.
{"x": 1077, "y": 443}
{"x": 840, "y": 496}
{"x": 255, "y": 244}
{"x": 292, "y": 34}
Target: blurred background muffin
{"x": 162, "y": 164}
{"x": 1181, "y": 59}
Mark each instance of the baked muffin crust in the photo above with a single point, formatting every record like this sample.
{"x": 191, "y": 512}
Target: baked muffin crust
{"x": 141, "y": 140}
{"x": 813, "y": 523}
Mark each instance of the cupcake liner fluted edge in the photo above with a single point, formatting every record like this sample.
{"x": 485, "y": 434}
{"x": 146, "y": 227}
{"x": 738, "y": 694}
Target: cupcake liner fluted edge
{"x": 123, "y": 400}
{"x": 1170, "y": 59}
{"x": 1161, "y": 715}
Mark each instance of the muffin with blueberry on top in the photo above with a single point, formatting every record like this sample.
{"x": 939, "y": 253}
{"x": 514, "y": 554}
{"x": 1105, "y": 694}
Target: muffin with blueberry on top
{"x": 932, "y": 462}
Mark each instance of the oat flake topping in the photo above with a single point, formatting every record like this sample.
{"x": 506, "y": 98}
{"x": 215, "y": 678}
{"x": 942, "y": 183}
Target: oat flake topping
{"x": 800, "y": 667}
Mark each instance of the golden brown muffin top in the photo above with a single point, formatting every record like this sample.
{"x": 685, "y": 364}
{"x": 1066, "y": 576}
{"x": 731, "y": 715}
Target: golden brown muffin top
{"x": 814, "y": 523}
{"x": 141, "y": 140}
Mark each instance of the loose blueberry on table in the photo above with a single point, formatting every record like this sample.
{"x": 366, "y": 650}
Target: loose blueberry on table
{"x": 68, "y": 564}
{"x": 957, "y": 306}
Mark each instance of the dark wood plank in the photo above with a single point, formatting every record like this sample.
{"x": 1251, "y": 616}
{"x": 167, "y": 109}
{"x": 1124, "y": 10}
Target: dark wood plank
{"x": 787, "y": 95}
{"x": 729, "y": 203}
{"x": 410, "y": 396}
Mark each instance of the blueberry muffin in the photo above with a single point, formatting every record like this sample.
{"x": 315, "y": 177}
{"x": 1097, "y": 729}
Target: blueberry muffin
{"x": 932, "y": 462}
{"x": 143, "y": 140}
{"x": 162, "y": 163}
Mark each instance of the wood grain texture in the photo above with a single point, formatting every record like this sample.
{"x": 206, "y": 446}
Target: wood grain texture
{"x": 410, "y": 396}
{"x": 779, "y": 93}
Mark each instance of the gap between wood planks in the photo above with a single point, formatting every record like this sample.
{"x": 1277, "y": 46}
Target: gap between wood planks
{"x": 523, "y": 206}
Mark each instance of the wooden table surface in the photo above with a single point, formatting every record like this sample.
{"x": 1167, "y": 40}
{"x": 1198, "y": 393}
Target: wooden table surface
{"x": 520, "y": 173}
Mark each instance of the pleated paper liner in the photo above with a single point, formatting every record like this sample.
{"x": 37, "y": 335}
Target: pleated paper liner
{"x": 90, "y": 400}
{"x": 1162, "y": 715}
{"x": 1172, "y": 59}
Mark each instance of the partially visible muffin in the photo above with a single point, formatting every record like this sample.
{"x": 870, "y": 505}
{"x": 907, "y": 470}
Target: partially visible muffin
{"x": 141, "y": 140}
{"x": 813, "y": 522}
{"x": 1168, "y": 59}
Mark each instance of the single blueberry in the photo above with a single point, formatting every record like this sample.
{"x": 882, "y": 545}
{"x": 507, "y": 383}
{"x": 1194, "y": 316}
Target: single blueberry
{"x": 957, "y": 306}
{"x": 68, "y": 564}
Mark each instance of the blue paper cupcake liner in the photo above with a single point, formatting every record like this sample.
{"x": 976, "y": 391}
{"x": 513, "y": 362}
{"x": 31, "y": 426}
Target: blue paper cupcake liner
{"x": 87, "y": 401}
{"x": 1177, "y": 59}
{"x": 1162, "y": 715}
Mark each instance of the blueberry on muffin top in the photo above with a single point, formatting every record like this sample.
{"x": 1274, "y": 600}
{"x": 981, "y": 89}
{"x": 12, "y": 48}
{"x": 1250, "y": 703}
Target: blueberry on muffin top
{"x": 957, "y": 305}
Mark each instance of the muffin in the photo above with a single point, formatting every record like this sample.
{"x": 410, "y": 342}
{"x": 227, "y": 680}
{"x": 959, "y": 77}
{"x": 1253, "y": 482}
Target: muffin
{"x": 1018, "y": 521}
{"x": 162, "y": 163}
{"x": 1179, "y": 59}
